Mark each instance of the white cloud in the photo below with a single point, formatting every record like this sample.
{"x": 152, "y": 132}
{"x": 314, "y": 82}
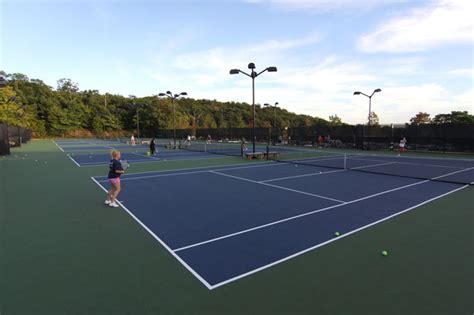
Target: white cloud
{"x": 447, "y": 21}
{"x": 463, "y": 72}
{"x": 323, "y": 4}
{"x": 319, "y": 87}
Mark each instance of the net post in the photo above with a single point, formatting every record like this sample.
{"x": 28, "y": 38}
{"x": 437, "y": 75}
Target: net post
{"x": 345, "y": 161}
{"x": 268, "y": 151}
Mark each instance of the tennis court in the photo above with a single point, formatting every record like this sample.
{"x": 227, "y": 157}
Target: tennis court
{"x": 226, "y": 223}
{"x": 232, "y": 236}
{"x": 96, "y": 152}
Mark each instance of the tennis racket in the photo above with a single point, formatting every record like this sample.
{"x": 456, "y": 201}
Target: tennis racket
{"x": 125, "y": 164}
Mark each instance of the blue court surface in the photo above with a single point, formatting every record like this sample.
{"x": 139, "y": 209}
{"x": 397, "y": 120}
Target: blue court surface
{"x": 81, "y": 146}
{"x": 97, "y": 152}
{"x": 96, "y": 159}
{"x": 226, "y": 223}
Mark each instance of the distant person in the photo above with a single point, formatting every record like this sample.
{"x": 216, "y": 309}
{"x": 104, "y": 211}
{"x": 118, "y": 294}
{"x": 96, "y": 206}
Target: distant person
{"x": 320, "y": 140}
{"x": 153, "y": 146}
{"x": 132, "y": 140}
{"x": 188, "y": 140}
{"x": 243, "y": 147}
{"x": 115, "y": 171}
{"x": 209, "y": 139}
{"x": 402, "y": 146}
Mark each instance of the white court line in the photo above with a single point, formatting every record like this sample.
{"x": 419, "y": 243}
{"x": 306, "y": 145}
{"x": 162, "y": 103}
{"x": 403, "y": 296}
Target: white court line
{"x": 299, "y": 216}
{"x": 181, "y": 173}
{"x": 58, "y": 145}
{"x": 315, "y": 211}
{"x": 452, "y": 173}
{"x": 323, "y": 173}
{"x": 180, "y": 169}
{"x": 206, "y": 169}
{"x": 94, "y": 164}
{"x": 210, "y": 287}
{"x": 78, "y": 165}
{"x": 330, "y": 241}
{"x": 430, "y": 158}
{"x": 279, "y": 187}
{"x": 160, "y": 241}
{"x": 303, "y": 175}
{"x": 146, "y": 156}
{"x": 410, "y": 163}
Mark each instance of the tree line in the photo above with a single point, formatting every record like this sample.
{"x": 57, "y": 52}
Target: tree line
{"x": 66, "y": 111}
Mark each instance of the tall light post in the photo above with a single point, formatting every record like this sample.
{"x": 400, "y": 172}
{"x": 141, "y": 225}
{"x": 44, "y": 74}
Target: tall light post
{"x": 173, "y": 98}
{"x": 136, "y": 105}
{"x": 370, "y": 112}
{"x": 274, "y": 117}
{"x": 253, "y": 74}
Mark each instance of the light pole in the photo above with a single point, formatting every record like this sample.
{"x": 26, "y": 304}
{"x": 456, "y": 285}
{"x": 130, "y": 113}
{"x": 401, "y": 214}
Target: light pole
{"x": 274, "y": 117}
{"x": 370, "y": 112}
{"x": 173, "y": 98}
{"x": 136, "y": 105}
{"x": 253, "y": 74}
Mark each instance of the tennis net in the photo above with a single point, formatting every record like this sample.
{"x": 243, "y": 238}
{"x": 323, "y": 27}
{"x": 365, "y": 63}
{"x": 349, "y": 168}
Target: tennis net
{"x": 450, "y": 170}
{"x": 230, "y": 149}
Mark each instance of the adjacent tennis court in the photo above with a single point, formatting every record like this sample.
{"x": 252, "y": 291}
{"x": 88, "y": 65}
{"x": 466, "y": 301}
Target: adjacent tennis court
{"x": 226, "y": 223}
{"x": 97, "y": 152}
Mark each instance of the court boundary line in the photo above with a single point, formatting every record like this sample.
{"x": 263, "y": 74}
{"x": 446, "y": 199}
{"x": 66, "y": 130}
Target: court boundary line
{"x": 332, "y": 151}
{"x": 58, "y": 146}
{"x": 219, "y": 284}
{"x": 149, "y": 157}
{"x": 211, "y": 287}
{"x": 316, "y": 211}
{"x": 75, "y": 162}
{"x": 298, "y": 216}
{"x": 322, "y": 173}
{"x": 156, "y": 237}
{"x": 154, "y": 161}
{"x": 183, "y": 169}
{"x": 209, "y": 169}
{"x": 409, "y": 163}
{"x": 278, "y": 187}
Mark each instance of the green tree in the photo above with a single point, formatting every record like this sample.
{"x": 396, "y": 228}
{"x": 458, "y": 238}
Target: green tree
{"x": 334, "y": 120}
{"x": 420, "y": 118}
{"x": 374, "y": 119}
{"x": 10, "y": 107}
{"x": 455, "y": 117}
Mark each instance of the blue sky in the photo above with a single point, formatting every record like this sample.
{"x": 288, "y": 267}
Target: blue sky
{"x": 420, "y": 53}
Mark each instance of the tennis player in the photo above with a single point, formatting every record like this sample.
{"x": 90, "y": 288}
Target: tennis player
{"x": 402, "y": 146}
{"x": 243, "y": 147}
{"x": 115, "y": 171}
{"x": 153, "y": 147}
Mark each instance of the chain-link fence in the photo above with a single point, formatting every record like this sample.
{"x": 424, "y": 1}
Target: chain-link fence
{"x": 18, "y": 136}
{"x": 4, "y": 144}
{"x": 12, "y": 136}
{"x": 423, "y": 137}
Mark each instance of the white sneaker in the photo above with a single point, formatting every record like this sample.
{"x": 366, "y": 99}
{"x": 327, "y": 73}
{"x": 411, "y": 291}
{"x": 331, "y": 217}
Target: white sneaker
{"x": 107, "y": 202}
{"x": 114, "y": 205}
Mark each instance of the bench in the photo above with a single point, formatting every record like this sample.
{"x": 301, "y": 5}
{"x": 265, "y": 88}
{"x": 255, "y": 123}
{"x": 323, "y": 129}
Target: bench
{"x": 257, "y": 155}
{"x": 169, "y": 146}
{"x": 272, "y": 155}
